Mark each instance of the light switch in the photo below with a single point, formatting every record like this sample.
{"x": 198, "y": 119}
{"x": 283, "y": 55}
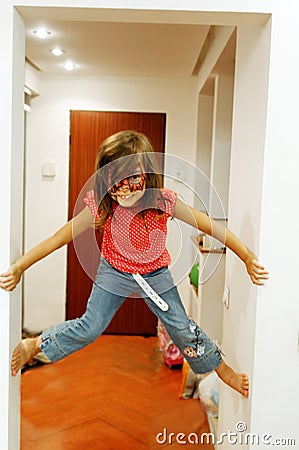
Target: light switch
{"x": 226, "y": 297}
{"x": 48, "y": 170}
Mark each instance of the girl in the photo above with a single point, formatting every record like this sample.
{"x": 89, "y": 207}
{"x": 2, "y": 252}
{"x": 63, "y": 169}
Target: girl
{"x": 131, "y": 208}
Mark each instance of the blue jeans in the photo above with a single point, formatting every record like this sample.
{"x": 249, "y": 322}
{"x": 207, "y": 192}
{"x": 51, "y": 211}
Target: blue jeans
{"x": 198, "y": 349}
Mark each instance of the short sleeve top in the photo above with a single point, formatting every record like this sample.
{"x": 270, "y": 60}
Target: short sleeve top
{"x": 134, "y": 243}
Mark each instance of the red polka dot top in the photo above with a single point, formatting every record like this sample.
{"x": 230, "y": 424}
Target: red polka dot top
{"x": 132, "y": 243}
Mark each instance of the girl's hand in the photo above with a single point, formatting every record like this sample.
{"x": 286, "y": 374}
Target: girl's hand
{"x": 11, "y": 277}
{"x": 255, "y": 270}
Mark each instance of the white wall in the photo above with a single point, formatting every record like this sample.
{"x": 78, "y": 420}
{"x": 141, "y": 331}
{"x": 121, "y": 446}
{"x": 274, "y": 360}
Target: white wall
{"x": 247, "y": 155}
{"x": 11, "y": 188}
{"x": 261, "y": 326}
{"x": 221, "y": 145}
{"x": 276, "y": 359}
{"x": 204, "y": 146}
{"x": 48, "y": 140}
{"x": 32, "y": 79}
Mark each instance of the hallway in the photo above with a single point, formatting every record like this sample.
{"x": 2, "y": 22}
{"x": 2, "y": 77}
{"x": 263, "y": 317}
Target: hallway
{"x": 115, "y": 394}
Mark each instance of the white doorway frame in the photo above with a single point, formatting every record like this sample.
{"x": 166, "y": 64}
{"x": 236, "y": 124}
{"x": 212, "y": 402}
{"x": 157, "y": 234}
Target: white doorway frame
{"x": 12, "y": 49}
{"x": 11, "y": 170}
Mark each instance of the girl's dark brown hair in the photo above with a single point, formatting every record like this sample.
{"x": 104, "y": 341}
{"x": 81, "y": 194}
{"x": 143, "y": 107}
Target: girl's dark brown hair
{"x": 119, "y": 145}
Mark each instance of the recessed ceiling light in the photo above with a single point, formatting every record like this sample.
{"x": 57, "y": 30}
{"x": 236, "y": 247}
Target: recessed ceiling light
{"x": 57, "y": 51}
{"x": 69, "y": 65}
{"x": 42, "y": 33}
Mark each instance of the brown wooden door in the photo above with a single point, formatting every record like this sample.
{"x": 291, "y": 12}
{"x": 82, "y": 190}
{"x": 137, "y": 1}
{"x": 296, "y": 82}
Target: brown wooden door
{"x": 87, "y": 132}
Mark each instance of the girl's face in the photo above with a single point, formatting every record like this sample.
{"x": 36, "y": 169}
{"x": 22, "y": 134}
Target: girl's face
{"x": 129, "y": 190}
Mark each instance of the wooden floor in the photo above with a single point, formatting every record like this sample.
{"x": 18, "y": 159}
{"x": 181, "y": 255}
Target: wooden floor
{"x": 116, "y": 394}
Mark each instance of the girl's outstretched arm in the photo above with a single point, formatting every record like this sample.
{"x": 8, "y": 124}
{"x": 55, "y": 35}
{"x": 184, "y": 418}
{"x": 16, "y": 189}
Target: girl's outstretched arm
{"x": 63, "y": 236}
{"x": 204, "y": 223}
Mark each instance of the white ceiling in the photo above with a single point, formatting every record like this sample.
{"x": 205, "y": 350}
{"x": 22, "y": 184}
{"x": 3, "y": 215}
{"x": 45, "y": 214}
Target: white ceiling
{"x": 114, "y": 48}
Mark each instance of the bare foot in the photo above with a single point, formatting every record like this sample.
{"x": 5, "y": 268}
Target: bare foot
{"x": 238, "y": 381}
{"x": 23, "y": 353}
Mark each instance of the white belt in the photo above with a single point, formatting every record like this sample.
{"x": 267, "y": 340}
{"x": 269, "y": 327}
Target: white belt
{"x": 150, "y": 292}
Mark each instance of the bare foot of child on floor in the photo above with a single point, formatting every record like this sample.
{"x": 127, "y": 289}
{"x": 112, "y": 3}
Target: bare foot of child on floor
{"x": 23, "y": 353}
{"x": 237, "y": 381}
